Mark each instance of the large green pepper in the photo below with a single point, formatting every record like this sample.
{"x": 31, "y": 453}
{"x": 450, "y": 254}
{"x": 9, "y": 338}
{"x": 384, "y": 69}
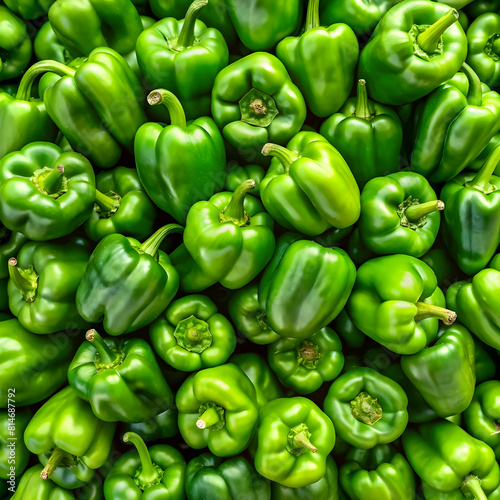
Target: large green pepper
{"x": 406, "y": 58}
{"x": 396, "y": 302}
{"x": 367, "y": 134}
{"x": 43, "y": 283}
{"x": 377, "y": 474}
{"x": 44, "y": 192}
{"x": 309, "y": 187}
{"x": 192, "y": 335}
{"x": 471, "y": 226}
{"x": 32, "y": 367}
{"x": 254, "y": 102}
{"x": 367, "y": 408}
{"x": 127, "y": 284}
{"x": 294, "y": 439}
{"x": 305, "y": 286}
{"x": 321, "y": 62}
{"x": 303, "y": 365}
{"x": 230, "y": 236}
{"x": 399, "y": 214}
{"x": 218, "y": 408}
{"x": 208, "y": 478}
{"x": 449, "y": 460}
{"x": 183, "y": 57}
{"x": 456, "y": 123}
{"x": 33, "y": 487}
{"x": 181, "y": 163}
{"x": 157, "y": 472}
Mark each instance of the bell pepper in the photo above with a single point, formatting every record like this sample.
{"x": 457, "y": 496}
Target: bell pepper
{"x": 293, "y": 442}
{"x": 182, "y": 163}
{"x": 350, "y": 335}
{"x": 237, "y": 174}
{"x": 230, "y": 236}
{"x": 43, "y": 283}
{"x": 397, "y": 303}
{"x": 456, "y": 123}
{"x": 218, "y": 408}
{"x": 97, "y": 106}
{"x": 29, "y": 9}
{"x": 254, "y": 101}
{"x": 46, "y": 45}
{"x": 33, "y": 487}
{"x": 367, "y": 134}
{"x": 249, "y": 317}
{"x": 377, "y": 474}
{"x": 478, "y": 7}
{"x": 449, "y": 460}
{"x": 183, "y": 57}
{"x": 416, "y": 47}
{"x": 127, "y": 284}
{"x": 399, "y": 214}
{"x": 321, "y": 62}
{"x": 367, "y": 408}
{"x": 471, "y": 226}
{"x": 121, "y": 206}
{"x": 309, "y": 187}
{"x": 209, "y": 478}
{"x": 157, "y": 472}
{"x": 261, "y": 376}
{"x": 10, "y": 244}
{"x": 192, "y": 335}
{"x": 305, "y": 286}
{"x": 48, "y": 434}
{"x": 444, "y": 373}
{"x": 44, "y": 192}
{"x": 32, "y": 365}
{"x": 161, "y": 426}
{"x": 304, "y": 365}
{"x": 477, "y": 303}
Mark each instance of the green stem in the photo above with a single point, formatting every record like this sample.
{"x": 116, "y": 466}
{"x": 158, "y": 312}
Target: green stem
{"x": 51, "y": 183}
{"x": 471, "y": 488}
{"x": 25, "y": 280}
{"x": 366, "y": 408}
{"x": 482, "y": 178}
{"x": 106, "y": 354}
{"x": 312, "y": 19}
{"x": 55, "y": 459}
{"x": 151, "y": 245}
{"x": 24, "y": 89}
{"x": 108, "y": 204}
{"x": 285, "y": 156}
{"x": 301, "y": 440}
{"x": 170, "y": 101}
{"x": 208, "y": 418}
{"x": 148, "y": 473}
{"x": 475, "y": 95}
{"x": 186, "y": 37}
{"x": 425, "y": 311}
{"x": 362, "y": 102}
{"x": 193, "y": 335}
{"x": 235, "y": 211}
{"x": 429, "y": 39}
{"x": 415, "y": 212}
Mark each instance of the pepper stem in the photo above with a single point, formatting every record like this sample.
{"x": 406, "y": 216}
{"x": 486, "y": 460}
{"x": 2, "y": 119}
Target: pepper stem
{"x": 55, "y": 459}
{"x": 107, "y": 204}
{"x": 151, "y": 245}
{"x": 284, "y": 155}
{"x": 51, "y": 183}
{"x": 208, "y": 418}
{"x": 148, "y": 474}
{"x": 366, "y": 408}
{"x": 425, "y": 311}
{"x": 235, "y": 211}
{"x": 301, "y": 440}
{"x": 106, "y": 354}
{"x": 25, "y": 280}
{"x": 415, "y": 212}
{"x": 362, "y": 102}
{"x": 475, "y": 95}
{"x": 186, "y": 37}
{"x": 312, "y": 19}
{"x": 298, "y": 441}
{"x": 471, "y": 488}
{"x": 429, "y": 39}
{"x": 481, "y": 180}
{"x": 170, "y": 101}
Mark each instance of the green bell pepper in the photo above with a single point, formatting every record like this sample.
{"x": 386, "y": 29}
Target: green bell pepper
{"x": 161, "y": 426}
{"x": 121, "y": 206}
{"x": 367, "y": 408}
{"x": 43, "y": 283}
{"x": 305, "y": 286}
{"x": 478, "y": 7}
{"x": 304, "y": 365}
{"x": 237, "y": 174}
{"x": 397, "y": 303}
{"x": 416, "y": 47}
{"x": 249, "y": 317}
{"x": 293, "y": 442}
{"x": 321, "y": 62}
{"x": 33, "y": 487}
{"x": 44, "y": 192}
{"x": 218, "y": 408}
{"x": 32, "y": 367}
{"x": 29, "y": 9}
{"x": 192, "y": 335}
{"x": 254, "y": 101}
{"x": 367, "y": 134}
{"x": 399, "y": 214}
{"x": 456, "y": 123}
{"x": 181, "y": 163}
{"x": 10, "y": 244}
{"x": 444, "y": 373}
{"x": 127, "y": 284}
{"x": 230, "y": 236}
{"x": 208, "y": 478}
{"x": 377, "y": 474}
{"x": 183, "y": 57}
{"x": 47, "y": 46}
{"x": 471, "y": 226}
{"x": 449, "y": 460}
{"x": 309, "y": 187}
{"x": 157, "y": 472}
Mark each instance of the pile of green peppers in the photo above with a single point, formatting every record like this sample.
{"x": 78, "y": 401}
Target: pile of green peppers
{"x": 249, "y": 250}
